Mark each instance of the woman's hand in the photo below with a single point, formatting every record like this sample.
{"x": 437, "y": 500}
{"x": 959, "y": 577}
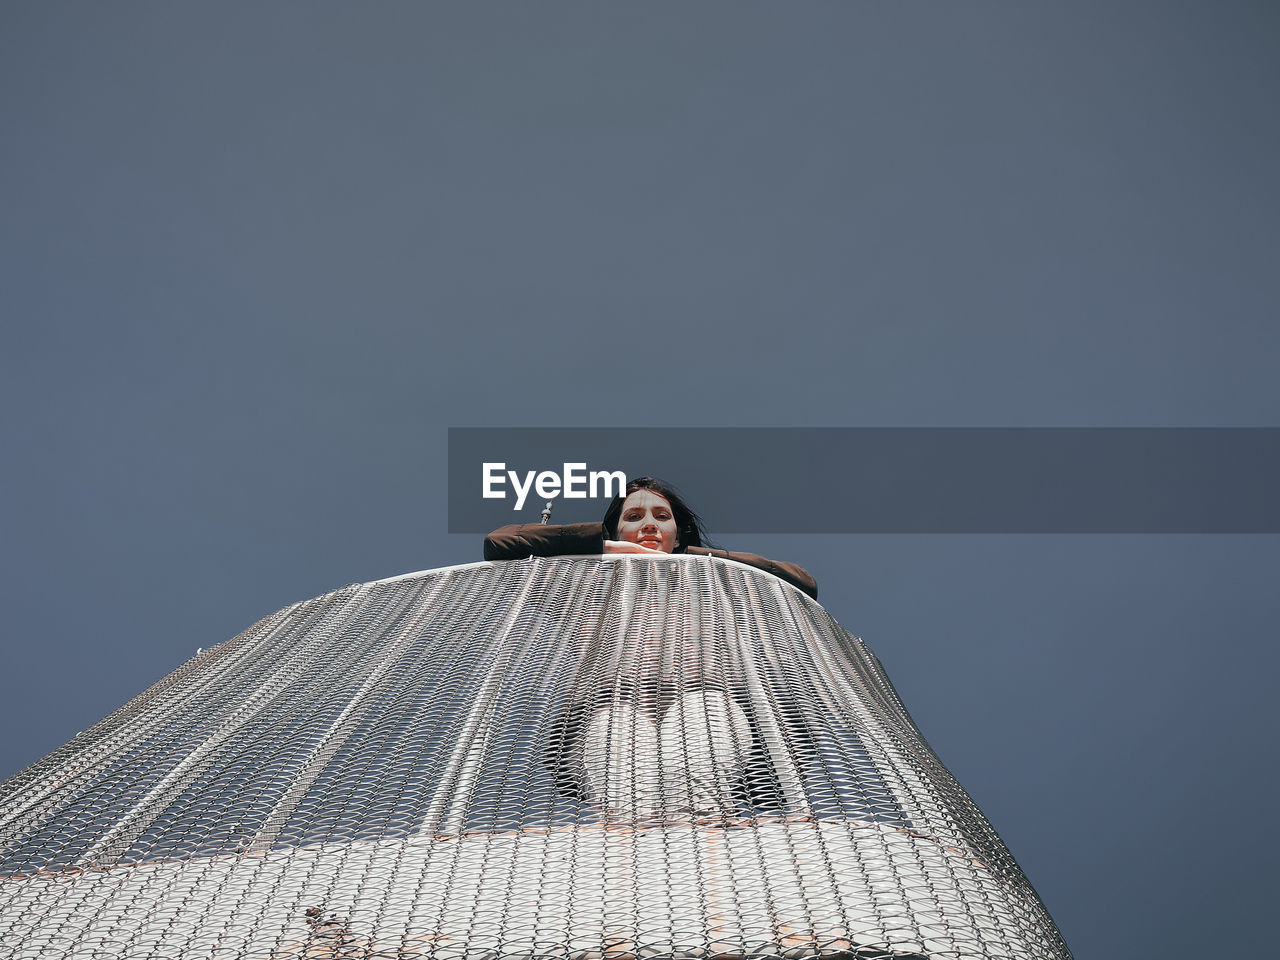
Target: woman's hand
{"x": 626, "y": 546}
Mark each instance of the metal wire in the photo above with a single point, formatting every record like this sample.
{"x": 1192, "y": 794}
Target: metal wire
{"x": 577, "y": 758}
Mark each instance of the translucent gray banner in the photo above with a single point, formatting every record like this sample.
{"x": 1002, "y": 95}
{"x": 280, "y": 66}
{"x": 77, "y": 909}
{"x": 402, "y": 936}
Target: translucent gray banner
{"x": 882, "y": 480}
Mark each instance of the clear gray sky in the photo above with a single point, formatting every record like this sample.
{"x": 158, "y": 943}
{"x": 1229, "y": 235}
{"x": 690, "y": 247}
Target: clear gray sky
{"x": 256, "y": 259}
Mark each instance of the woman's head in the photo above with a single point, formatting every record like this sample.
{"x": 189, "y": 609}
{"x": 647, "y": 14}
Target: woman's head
{"x": 651, "y": 513}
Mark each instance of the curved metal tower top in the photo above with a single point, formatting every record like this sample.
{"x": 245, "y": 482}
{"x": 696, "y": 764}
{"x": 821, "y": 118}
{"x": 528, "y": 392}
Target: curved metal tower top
{"x": 578, "y": 758}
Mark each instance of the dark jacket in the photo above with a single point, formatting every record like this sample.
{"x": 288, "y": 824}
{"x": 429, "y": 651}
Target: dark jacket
{"x": 522, "y": 540}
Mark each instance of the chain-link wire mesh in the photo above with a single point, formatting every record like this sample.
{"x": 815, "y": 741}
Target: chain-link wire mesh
{"x": 587, "y": 758}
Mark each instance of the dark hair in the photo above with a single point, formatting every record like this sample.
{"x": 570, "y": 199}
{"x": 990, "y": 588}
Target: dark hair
{"x": 689, "y": 528}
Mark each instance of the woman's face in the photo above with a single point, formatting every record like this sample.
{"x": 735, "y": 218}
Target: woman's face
{"x": 647, "y": 520}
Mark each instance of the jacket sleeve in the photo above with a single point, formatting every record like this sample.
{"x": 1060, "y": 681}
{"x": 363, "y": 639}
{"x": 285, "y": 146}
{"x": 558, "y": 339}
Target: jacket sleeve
{"x": 794, "y": 574}
{"x": 521, "y": 540}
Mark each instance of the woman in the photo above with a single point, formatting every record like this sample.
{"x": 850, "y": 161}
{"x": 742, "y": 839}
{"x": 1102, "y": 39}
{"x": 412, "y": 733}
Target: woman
{"x": 657, "y": 752}
{"x": 651, "y": 518}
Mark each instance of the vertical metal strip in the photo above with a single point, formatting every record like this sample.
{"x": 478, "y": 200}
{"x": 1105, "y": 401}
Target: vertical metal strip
{"x": 784, "y": 764}
{"x": 446, "y": 812}
{"x": 339, "y": 730}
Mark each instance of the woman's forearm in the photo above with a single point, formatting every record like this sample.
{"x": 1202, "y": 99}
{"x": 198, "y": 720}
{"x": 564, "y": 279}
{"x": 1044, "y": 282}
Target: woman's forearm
{"x": 520, "y": 540}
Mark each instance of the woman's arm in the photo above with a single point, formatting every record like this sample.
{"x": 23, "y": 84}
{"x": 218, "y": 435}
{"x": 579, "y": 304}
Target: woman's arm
{"x": 794, "y": 574}
{"x": 522, "y": 540}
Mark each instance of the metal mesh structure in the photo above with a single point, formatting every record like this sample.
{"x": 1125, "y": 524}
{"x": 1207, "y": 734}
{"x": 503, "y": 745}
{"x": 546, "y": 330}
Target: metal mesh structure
{"x": 577, "y": 758}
